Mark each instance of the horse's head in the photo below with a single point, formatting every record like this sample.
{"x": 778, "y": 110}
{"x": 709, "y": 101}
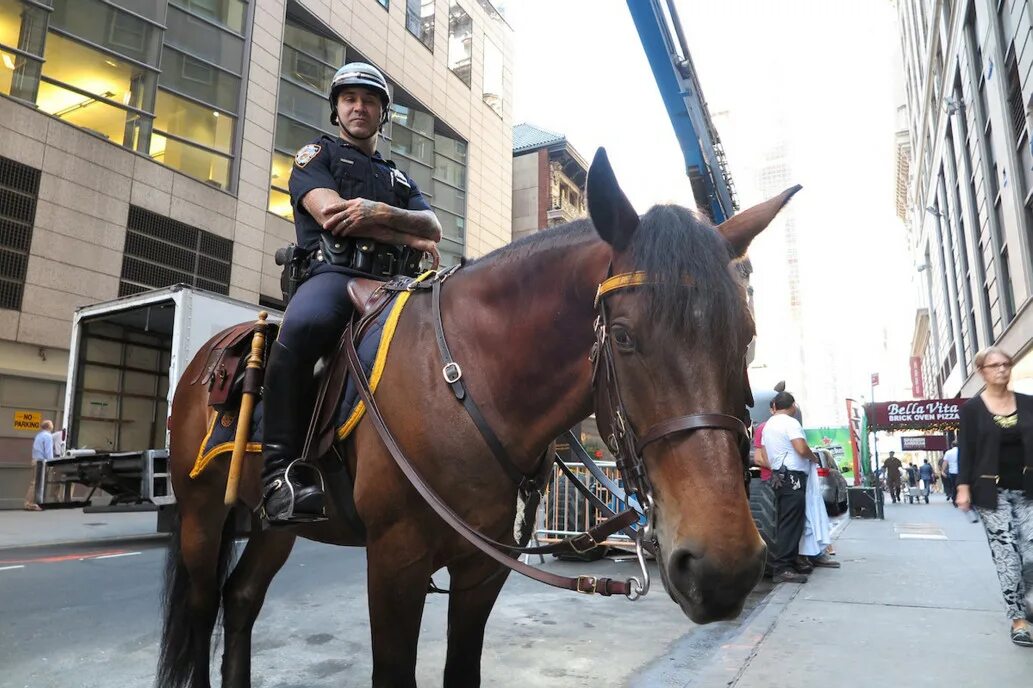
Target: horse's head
{"x": 671, "y": 385}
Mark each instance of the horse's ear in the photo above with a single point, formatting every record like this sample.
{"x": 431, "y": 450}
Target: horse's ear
{"x": 744, "y": 227}
{"x": 613, "y": 216}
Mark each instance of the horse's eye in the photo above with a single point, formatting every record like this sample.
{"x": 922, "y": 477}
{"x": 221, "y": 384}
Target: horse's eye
{"x": 622, "y": 338}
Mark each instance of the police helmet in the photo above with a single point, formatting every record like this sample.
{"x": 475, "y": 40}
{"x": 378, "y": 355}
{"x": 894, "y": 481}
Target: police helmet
{"x": 364, "y": 75}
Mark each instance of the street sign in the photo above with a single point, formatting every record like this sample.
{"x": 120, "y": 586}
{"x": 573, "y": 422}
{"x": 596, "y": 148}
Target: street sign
{"x": 27, "y": 420}
{"x": 924, "y": 443}
{"x": 875, "y": 379}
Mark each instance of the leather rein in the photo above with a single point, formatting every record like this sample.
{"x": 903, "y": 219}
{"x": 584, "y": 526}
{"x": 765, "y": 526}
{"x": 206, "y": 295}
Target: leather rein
{"x": 622, "y": 440}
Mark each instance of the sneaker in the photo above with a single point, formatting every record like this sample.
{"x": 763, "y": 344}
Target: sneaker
{"x": 789, "y": 576}
{"x": 825, "y": 562}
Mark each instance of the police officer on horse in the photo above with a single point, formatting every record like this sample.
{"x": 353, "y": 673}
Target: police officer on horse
{"x": 356, "y": 214}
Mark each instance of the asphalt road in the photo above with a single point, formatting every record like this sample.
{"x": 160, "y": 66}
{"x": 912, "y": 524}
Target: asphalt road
{"x": 88, "y": 615}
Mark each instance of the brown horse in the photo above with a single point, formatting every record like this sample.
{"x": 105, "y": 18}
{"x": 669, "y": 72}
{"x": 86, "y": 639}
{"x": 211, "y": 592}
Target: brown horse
{"x": 521, "y": 323}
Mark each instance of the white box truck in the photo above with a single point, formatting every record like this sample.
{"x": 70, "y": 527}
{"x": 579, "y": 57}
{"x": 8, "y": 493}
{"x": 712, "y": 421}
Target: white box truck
{"x": 125, "y": 359}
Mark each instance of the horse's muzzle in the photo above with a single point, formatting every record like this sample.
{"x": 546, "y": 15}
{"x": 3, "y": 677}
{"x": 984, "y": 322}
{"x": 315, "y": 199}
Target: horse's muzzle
{"x": 708, "y": 590}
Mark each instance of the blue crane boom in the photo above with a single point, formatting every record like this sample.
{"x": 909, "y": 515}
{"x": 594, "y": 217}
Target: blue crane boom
{"x": 676, "y": 78}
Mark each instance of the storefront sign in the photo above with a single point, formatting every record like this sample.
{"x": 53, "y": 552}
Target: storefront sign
{"x": 924, "y": 443}
{"x": 917, "y": 383}
{"x": 929, "y": 414}
{"x": 27, "y": 420}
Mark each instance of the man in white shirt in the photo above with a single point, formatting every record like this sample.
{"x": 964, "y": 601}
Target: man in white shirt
{"x": 42, "y": 451}
{"x": 790, "y": 458}
{"x": 950, "y": 477}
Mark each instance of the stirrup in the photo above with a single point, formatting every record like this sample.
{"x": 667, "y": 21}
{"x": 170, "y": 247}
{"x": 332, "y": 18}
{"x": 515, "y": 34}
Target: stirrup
{"x": 288, "y": 516}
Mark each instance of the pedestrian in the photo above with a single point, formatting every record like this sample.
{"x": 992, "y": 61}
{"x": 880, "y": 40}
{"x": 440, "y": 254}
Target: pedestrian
{"x": 790, "y": 458}
{"x": 995, "y": 462}
{"x": 925, "y": 471}
{"x": 950, "y": 476}
{"x": 42, "y": 452}
{"x": 893, "y": 466}
{"x": 760, "y": 457}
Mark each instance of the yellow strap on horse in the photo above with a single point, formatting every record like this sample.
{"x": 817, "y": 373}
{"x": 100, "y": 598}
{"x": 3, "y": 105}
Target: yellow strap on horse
{"x": 627, "y": 279}
{"x": 621, "y": 281}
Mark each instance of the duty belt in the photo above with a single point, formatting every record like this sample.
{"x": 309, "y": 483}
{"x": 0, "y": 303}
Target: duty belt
{"x": 368, "y": 257}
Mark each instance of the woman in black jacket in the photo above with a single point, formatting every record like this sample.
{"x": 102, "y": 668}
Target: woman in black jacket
{"x": 995, "y": 475}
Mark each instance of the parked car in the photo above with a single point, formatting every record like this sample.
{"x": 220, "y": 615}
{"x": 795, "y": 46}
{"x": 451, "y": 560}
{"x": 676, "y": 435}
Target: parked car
{"x": 832, "y": 483}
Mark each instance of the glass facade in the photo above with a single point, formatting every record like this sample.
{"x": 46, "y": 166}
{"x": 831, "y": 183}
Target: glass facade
{"x": 160, "y": 77}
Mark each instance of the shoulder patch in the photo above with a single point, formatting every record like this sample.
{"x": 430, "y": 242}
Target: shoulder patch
{"x": 306, "y": 154}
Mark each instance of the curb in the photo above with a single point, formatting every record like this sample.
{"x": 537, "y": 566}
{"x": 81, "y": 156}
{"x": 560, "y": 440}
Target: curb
{"x": 733, "y": 658}
{"x": 115, "y": 539}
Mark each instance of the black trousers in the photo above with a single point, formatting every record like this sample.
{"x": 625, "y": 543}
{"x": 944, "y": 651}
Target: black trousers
{"x": 790, "y": 503}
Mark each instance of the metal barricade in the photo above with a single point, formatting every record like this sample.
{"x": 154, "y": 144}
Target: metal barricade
{"x": 565, "y": 511}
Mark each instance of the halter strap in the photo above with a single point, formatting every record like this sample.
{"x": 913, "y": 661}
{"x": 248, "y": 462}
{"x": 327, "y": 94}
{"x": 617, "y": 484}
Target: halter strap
{"x": 628, "y": 279}
{"x": 697, "y": 421}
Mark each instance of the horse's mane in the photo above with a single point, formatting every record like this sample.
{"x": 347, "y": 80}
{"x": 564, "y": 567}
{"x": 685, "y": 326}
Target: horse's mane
{"x": 671, "y": 243}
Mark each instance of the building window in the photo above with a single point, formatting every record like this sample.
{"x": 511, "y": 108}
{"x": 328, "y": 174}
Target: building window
{"x": 419, "y": 19}
{"x": 193, "y": 139}
{"x": 231, "y": 14}
{"x": 19, "y": 189}
{"x": 23, "y": 30}
{"x": 107, "y": 89}
{"x": 198, "y": 99}
{"x": 307, "y": 66}
{"x": 160, "y": 252}
{"x": 492, "y": 87}
{"x": 460, "y": 42}
{"x": 101, "y": 73}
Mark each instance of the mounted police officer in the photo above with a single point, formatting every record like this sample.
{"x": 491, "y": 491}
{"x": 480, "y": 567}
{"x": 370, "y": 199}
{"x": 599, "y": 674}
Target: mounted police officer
{"x": 355, "y": 214}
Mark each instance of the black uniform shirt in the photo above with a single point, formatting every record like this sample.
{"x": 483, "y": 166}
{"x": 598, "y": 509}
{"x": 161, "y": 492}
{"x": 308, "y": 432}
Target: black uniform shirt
{"x": 329, "y": 163}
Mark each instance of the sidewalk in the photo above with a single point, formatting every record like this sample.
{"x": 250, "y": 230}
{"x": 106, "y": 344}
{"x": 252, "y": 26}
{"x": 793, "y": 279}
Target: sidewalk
{"x": 916, "y": 603}
{"x": 20, "y": 528}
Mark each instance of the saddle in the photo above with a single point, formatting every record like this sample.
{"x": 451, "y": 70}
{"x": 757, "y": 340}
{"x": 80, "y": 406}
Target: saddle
{"x": 226, "y": 357}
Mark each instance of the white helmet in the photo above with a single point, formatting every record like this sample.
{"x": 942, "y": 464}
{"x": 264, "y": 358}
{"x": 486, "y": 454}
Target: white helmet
{"x": 363, "y": 75}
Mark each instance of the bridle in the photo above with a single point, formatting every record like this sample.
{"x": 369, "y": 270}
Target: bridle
{"x": 614, "y": 423}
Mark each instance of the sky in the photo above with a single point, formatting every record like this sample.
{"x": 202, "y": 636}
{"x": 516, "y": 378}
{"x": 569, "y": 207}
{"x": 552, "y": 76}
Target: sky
{"x": 823, "y": 77}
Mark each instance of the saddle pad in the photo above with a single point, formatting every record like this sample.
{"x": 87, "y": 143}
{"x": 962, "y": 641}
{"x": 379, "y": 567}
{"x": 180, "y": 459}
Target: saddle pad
{"x": 373, "y": 351}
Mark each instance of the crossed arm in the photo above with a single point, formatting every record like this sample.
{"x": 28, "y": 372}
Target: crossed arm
{"x": 362, "y": 218}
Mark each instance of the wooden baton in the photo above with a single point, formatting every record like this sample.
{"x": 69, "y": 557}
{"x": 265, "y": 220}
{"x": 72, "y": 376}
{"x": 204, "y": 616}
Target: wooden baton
{"x": 252, "y": 386}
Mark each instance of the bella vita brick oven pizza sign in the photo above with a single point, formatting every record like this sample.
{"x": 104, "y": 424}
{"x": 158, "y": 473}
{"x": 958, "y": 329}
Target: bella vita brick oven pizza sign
{"x": 931, "y": 414}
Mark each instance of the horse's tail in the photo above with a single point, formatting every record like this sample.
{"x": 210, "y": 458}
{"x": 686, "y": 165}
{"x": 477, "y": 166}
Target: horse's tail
{"x": 176, "y": 665}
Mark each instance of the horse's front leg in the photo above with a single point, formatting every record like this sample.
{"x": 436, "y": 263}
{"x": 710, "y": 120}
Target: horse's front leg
{"x": 399, "y": 568}
{"x": 475, "y": 584}
{"x": 243, "y": 595}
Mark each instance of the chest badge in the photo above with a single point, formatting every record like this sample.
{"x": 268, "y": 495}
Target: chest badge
{"x": 306, "y": 154}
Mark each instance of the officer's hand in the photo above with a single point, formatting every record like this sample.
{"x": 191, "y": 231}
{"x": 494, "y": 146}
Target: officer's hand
{"x": 433, "y": 251}
{"x": 345, "y": 218}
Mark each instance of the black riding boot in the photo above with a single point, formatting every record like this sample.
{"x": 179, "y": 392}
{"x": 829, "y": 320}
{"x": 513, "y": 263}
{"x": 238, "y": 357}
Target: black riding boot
{"x": 292, "y": 489}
